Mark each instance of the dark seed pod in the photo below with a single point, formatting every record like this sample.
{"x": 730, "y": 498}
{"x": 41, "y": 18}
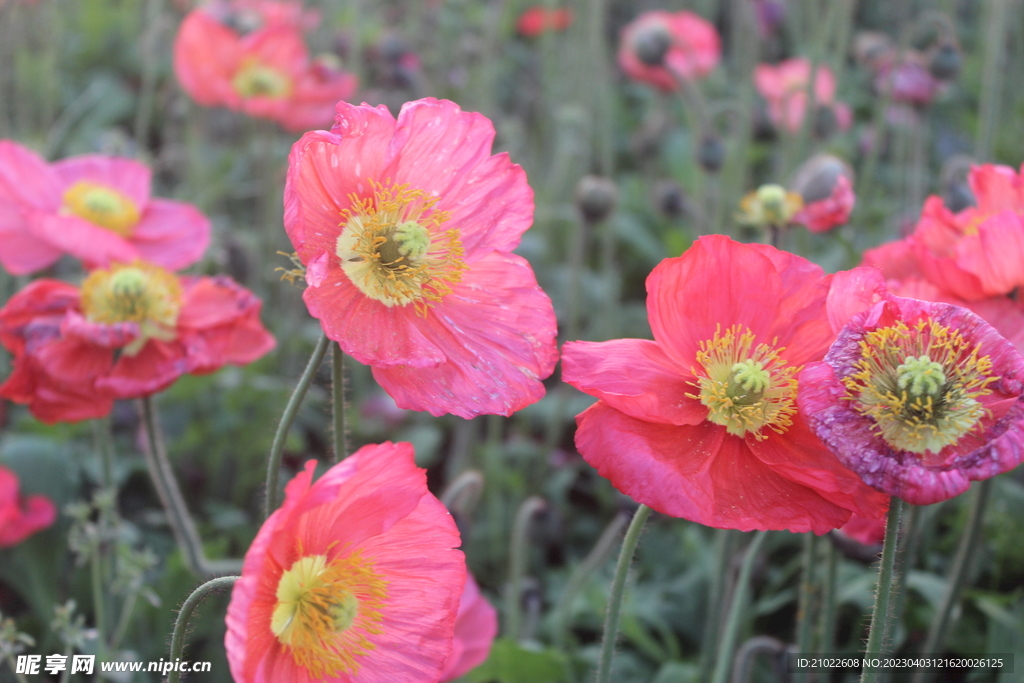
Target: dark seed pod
{"x": 945, "y": 63}
{"x": 596, "y": 197}
{"x": 711, "y": 153}
{"x": 651, "y": 44}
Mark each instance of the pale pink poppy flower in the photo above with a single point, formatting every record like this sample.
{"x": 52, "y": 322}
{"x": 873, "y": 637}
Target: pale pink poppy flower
{"x": 94, "y": 207}
{"x": 784, "y": 87}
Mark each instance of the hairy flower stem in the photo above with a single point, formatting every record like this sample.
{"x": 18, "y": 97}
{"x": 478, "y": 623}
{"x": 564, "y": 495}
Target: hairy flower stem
{"x": 727, "y": 643}
{"x": 883, "y": 593}
{"x": 827, "y": 617}
{"x": 806, "y": 602}
{"x": 519, "y": 549}
{"x": 292, "y": 407}
{"x": 189, "y": 606}
{"x": 182, "y": 525}
{"x": 339, "y": 404}
{"x": 594, "y": 560}
{"x": 958, "y": 573}
{"x": 992, "y": 78}
{"x": 611, "y": 622}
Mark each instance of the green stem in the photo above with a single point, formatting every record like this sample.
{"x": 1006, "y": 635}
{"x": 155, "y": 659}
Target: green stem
{"x": 338, "y": 396}
{"x": 101, "y": 437}
{"x": 958, "y": 573}
{"x": 167, "y": 490}
{"x": 181, "y": 623}
{"x": 805, "y": 603}
{"x": 98, "y": 597}
{"x": 883, "y": 593}
{"x": 611, "y": 623}
{"x": 722, "y": 549}
{"x": 594, "y": 560}
{"x": 277, "y": 447}
{"x": 463, "y": 494}
{"x": 723, "y": 659}
{"x": 992, "y": 78}
{"x": 827, "y": 618}
{"x": 518, "y": 555}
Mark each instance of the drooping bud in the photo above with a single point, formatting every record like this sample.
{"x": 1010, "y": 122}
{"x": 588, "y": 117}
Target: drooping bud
{"x": 815, "y": 179}
{"x": 945, "y": 62}
{"x": 651, "y": 44}
{"x": 670, "y": 199}
{"x": 711, "y": 153}
{"x": 596, "y": 197}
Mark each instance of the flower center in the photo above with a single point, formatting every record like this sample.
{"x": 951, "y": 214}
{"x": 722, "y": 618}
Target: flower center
{"x": 139, "y": 293}
{"x": 920, "y": 385}
{"x": 325, "y": 610}
{"x": 770, "y": 205}
{"x": 392, "y": 247}
{"x": 258, "y": 80}
{"x": 745, "y": 388}
{"x": 103, "y": 206}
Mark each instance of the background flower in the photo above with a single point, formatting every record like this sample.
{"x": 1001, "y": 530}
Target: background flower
{"x": 691, "y": 48}
{"x": 95, "y": 207}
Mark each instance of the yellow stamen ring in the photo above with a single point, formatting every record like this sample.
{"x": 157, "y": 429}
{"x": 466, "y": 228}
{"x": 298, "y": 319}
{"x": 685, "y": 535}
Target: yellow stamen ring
{"x": 745, "y": 387}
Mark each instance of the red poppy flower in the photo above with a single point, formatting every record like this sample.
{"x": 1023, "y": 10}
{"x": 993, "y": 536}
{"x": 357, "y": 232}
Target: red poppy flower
{"x": 129, "y": 331}
{"x": 265, "y": 73}
{"x": 354, "y": 578}
{"x": 21, "y": 517}
{"x": 407, "y": 229}
{"x": 95, "y": 207}
{"x": 826, "y": 213}
{"x": 702, "y": 422}
{"x": 537, "y": 20}
{"x": 691, "y": 48}
{"x": 919, "y": 399}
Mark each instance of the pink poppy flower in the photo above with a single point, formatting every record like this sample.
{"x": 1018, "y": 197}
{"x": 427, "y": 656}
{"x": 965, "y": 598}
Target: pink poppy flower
{"x": 865, "y": 531}
{"x": 21, "y": 517}
{"x": 692, "y": 48}
{"x": 903, "y": 277}
{"x": 476, "y": 625}
{"x": 919, "y": 399}
{"x": 129, "y": 331}
{"x": 909, "y": 81}
{"x": 537, "y": 20}
{"x": 406, "y": 229}
{"x": 354, "y": 578}
{"x": 784, "y": 88}
{"x": 96, "y": 208}
{"x": 835, "y": 209}
{"x": 702, "y": 423}
{"x": 266, "y": 73}
{"x": 978, "y": 252}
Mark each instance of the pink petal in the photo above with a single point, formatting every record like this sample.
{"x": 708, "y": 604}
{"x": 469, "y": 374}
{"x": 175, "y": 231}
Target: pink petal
{"x": 497, "y": 333}
{"x": 206, "y": 57}
{"x": 633, "y": 376}
{"x": 27, "y": 179}
{"x": 171, "y": 234}
{"x": 96, "y": 246}
{"x": 129, "y": 177}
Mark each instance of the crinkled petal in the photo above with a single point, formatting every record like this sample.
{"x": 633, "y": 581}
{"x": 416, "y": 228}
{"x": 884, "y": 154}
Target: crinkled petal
{"x": 497, "y": 333}
{"x": 171, "y": 234}
{"x": 636, "y": 377}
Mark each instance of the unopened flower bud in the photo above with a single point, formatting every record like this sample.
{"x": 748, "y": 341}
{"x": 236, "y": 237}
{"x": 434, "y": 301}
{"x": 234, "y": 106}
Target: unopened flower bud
{"x": 815, "y": 179}
{"x": 596, "y": 197}
{"x": 958, "y": 196}
{"x": 670, "y": 199}
{"x": 711, "y": 153}
{"x": 945, "y": 62}
{"x": 651, "y": 44}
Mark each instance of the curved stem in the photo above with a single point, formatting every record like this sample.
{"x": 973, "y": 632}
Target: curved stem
{"x": 463, "y": 494}
{"x": 723, "y": 660}
{"x": 338, "y": 396}
{"x": 189, "y": 606}
{"x": 517, "y": 563}
{"x": 182, "y": 525}
{"x": 881, "y": 614}
{"x": 611, "y": 623}
{"x": 277, "y": 447}
{"x": 958, "y": 573}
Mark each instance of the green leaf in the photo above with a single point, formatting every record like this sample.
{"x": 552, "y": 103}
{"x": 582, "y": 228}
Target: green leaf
{"x": 512, "y": 663}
